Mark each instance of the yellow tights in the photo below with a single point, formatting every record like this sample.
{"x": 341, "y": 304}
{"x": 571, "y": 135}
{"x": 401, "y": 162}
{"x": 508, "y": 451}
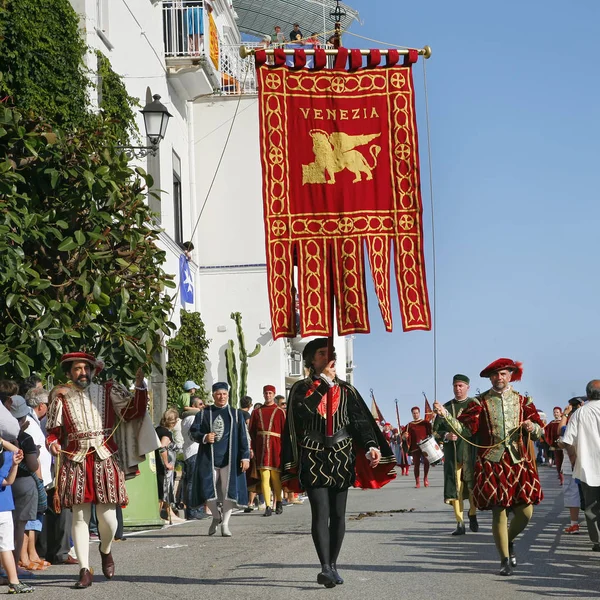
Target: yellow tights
{"x": 504, "y": 533}
{"x": 268, "y": 479}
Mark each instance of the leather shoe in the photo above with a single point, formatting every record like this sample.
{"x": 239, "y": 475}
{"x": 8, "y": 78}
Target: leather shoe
{"x": 68, "y": 561}
{"x": 506, "y": 569}
{"x": 460, "y": 529}
{"x": 326, "y": 577}
{"x": 86, "y": 578}
{"x": 278, "y": 508}
{"x": 336, "y": 576}
{"x": 473, "y": 523}
{"x": 512, "y": 557}
{"x": 596, "y": 547}
{"x": 108, "y": 565}
{"x": 268, "y": 512}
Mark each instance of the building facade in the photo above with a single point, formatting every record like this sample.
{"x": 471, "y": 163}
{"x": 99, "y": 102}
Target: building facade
{"x": 207, "y": 169}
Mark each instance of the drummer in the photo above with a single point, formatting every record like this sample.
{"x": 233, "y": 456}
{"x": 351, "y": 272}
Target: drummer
{"x": 416, "y": 431}
{"x": 459, "y": 457}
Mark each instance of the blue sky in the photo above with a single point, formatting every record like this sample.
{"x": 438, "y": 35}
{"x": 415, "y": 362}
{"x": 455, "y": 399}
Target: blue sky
{"x": 513, "y": 102}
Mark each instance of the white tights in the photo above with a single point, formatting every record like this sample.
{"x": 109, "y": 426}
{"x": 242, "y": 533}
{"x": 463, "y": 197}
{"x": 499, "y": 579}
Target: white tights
{"x": 107, "y": 527}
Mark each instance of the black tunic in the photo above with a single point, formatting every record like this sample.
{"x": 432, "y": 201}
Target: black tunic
{"x": 309, "y": 459}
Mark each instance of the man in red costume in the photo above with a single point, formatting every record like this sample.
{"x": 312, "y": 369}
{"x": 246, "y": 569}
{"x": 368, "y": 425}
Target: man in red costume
{"x": 82, "y": 420}
{"x": 551, "y": 434}
{"x": 506, "y": 478}
{"x": 266, "y": 427}
{"x": 416, "y": 431}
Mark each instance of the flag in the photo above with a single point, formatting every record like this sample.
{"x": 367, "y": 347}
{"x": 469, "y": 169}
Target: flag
{"x": 429, "y": 414}
{"x": 375, "y": 410}
{"x": 340, "y": 165}
{"x": 186, "y": 283}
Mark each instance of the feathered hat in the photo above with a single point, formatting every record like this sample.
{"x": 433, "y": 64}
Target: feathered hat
{"x": 504, "y": 363}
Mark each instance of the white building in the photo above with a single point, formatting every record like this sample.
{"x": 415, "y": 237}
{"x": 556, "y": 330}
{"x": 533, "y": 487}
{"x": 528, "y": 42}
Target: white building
{"x": 207, "y": 167}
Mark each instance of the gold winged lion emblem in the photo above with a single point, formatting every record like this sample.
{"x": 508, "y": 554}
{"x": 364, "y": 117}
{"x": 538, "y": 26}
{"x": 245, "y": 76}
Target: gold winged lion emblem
{"x": 335, "y": 152}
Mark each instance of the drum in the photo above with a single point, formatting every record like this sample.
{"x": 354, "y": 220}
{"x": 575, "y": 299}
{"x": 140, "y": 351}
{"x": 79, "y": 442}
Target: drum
{"x": 431, "y": 450}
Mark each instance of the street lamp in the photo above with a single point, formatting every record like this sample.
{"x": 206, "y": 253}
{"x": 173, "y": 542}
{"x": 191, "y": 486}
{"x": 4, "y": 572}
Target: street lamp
{"x": 156, "y": 120}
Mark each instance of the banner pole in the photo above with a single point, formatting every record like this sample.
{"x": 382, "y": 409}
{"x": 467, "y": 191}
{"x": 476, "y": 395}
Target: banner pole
{"x": 245, "y": 51}
{"x": 330, "y": 355}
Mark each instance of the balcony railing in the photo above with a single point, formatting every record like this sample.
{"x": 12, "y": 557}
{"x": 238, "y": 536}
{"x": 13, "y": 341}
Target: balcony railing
{"x": 184, "y": 28}
{"x": 186, "y": 36}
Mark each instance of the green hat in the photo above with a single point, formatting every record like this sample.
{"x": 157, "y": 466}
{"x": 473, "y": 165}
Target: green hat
{"x": 462, "y": 378}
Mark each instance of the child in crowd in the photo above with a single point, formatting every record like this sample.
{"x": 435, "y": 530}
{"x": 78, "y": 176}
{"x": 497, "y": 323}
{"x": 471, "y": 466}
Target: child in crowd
{"x": 10, "y": 457}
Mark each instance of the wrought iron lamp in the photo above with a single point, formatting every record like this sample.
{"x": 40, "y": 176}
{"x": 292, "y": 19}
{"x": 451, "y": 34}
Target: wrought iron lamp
{"x": 338, "y": 13}
{"x": 156, "y": 120}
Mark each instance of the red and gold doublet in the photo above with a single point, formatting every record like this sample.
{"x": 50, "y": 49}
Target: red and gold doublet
{"x": 505, "y": 473}
{"x": 417, "y": 432}
{"x": 83, "y": 422}
{"x": 266, "y": 427}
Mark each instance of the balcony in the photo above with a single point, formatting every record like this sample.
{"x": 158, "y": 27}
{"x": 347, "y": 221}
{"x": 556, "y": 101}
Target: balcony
{"x": 197, "y": 60}
{"x": 186, "y": 26}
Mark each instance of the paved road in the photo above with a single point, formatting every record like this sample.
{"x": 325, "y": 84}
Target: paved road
{"x": 387, "y": 554}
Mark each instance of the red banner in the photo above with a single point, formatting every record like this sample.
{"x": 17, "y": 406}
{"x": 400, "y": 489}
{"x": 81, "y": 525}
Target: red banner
{"x": 340, "y": 165}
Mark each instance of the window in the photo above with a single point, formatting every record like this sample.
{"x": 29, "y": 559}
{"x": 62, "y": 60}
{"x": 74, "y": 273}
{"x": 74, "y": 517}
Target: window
{"x": 177, "y": 201}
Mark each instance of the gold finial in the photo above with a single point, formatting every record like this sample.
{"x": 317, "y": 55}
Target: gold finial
{"x": 245, "y": 52}
{"x": 427, "y": 51}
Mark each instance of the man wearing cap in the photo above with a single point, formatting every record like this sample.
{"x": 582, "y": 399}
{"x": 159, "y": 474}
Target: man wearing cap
{"x": 506, "y": 478}
{"x": 551, "y": 435}
{"x": 83, "y": 418}
{"x": 331, "y": 442}
{"x": 266, "y": 427}
{"x": 459, "y": 458}
{"x": 223, "y": 459}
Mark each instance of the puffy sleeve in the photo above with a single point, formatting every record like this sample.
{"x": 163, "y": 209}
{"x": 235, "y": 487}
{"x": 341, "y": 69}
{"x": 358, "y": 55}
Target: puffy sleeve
{"x": 128, "y": 406}
{"x": 531, "y": 413}
{"x": 468, "y": 422}
{"x": 360, "y": 425}
{"x": 54, "y": 420}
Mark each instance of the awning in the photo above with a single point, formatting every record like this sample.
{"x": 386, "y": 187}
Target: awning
{"x": 259, "y": 17}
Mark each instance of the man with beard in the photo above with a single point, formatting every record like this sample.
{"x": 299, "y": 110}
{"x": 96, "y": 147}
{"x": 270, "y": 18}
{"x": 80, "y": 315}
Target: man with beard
{"x": 223, "y": 459}
{"x": 459, "y": 458}
{"x": 331, "y": 442}
{"x": 414, "y": 432}
{"x": 551, "y": 434}
{"x": 82, "y": 420}
{"x": 505, "y": 475}
{"x": 266, "y": 427}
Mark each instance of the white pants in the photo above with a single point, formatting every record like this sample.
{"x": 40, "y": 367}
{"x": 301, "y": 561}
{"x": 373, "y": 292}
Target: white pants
{"x": 221, "y": 479}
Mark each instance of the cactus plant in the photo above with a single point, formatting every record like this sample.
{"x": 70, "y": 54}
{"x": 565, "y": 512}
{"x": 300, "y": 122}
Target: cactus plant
{"x": 231, "y": 363}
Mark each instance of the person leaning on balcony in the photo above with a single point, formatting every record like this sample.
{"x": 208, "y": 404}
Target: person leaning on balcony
{"x": 279, "y": 37}
{"x": 296, "y": 35}
{"x": 195, "y": 23}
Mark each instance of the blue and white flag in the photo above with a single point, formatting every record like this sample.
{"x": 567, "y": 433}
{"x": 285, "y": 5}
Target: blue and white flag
{"x": 186, "y": 283}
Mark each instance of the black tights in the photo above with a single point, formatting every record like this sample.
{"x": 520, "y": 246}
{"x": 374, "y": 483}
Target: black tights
{"x": 328, "y": 507}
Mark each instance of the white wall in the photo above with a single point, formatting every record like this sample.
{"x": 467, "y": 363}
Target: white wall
{"x": 245, "y": 291}
{"x": 131, "y": 37}
{"x": 231, "y": 228}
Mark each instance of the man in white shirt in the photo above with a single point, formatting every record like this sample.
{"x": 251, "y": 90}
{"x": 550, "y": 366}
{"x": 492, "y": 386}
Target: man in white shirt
{"x": 582, "y": 437}
{"x": 190, "y": 451}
